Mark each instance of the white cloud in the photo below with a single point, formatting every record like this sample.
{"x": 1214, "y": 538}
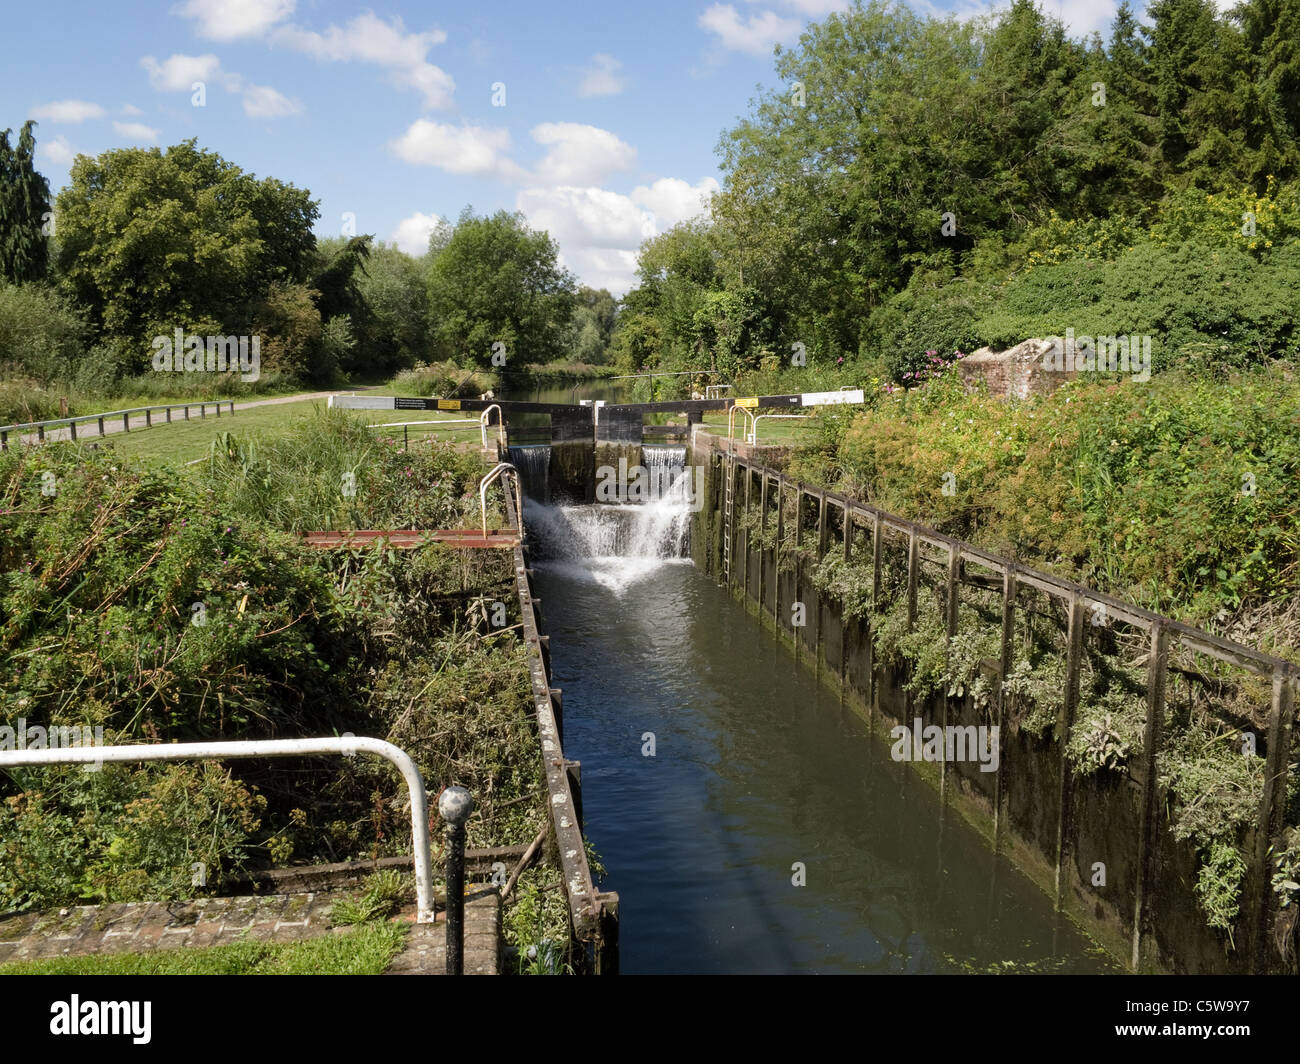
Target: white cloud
{"x": 178, "y": 73}
{"x": 673, "y": 200}
{"x": 814, "y": 8}
{"x": 369, "y": 39}
{"x": 262, "y": 101}
{"x": 598, "y": 231}
{"x": 1081, "y": 17}
{"x": 57, "y": 151}
{"x": 602, "y": 77}
{"x": 131, "y": 109}
{"x": 412, "y": 234}
{"x": 755, "y": 34}
{"x": 580, "y": 154}
{"x": 135, "y": 131}
{"x": 473, "y": 150}
{"x": 228, "y": 20}
{"x": 67, "y": 111}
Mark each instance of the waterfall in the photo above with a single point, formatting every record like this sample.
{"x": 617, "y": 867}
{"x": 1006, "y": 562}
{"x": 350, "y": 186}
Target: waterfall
{"x": 617, "y": 544}
{"x": 533, "y": 462}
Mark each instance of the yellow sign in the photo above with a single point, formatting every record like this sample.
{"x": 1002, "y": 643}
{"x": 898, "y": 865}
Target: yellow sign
{"x": 751, "y": 402}
{"x": 448, "y": 404}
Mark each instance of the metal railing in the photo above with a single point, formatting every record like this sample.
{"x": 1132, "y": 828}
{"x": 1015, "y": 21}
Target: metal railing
{"x": 484, "y": 421}
{"x": 731, "y": 421}
{"x": 71, "y": 423}
{"x": 753, "y": 437}
{"x": 406, "y": 440}
{"x": 345, "y": 745}
{"x": 496, "y": 471}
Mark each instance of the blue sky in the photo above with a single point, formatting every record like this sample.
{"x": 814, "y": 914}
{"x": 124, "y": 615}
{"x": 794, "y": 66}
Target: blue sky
{"x": 611, "y": 114}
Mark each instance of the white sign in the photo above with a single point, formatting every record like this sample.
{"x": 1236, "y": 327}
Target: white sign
{"x": 362, "y": 402}
{"x": 826, "y": 398}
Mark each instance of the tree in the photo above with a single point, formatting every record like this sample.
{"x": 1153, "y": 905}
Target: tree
{"x": 590, "y": 331}
{"x": 24, "y": 206}
{"x": 498, "y": 282}
{"x": 1195, "y": 61}
{"x": 154, "y": 240}
{"x": 395, "y": 335}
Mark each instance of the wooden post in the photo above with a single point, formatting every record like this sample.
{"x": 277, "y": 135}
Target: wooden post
{"x": 823, "y": 526}
{"x": 1268, "y": 832}
{"x": 126, "y": 422}
{"x": 749, "y": 487}
{"x": 1157, "y": 666}
{"x": 950, "y": 629}
{"x": 762, "y": 542}
{"x": 877, "y": 546}
{"x": 911, "y": 578}
{"x": 148, "y": 417}
{"x": 848, "y": 532}
{"x": 187, "y": 411}
{"x": 776, "y": 552}
{"x": 168, "y": 414}
{"x": 1064, "y": 725}
{"x": 877, "y": 552}
{"x": 1004, "y": 667}
{"x": 72, "y": 430}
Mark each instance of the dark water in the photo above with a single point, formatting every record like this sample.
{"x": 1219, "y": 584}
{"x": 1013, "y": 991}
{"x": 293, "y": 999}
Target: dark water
{"x": 757, "y": 767}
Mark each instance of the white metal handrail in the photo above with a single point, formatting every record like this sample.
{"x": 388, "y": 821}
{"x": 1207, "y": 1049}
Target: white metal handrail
{"x": 346, "y": 745}
{"x": 731, "y": 421}
{"x": 496, "y": 471}
{"x": 484, "y": 422}
{"x": 784, "y": 417}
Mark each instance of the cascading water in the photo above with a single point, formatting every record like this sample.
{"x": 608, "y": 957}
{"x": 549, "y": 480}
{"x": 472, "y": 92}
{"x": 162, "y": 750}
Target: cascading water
{"x": 618, "y": 543}
{"x": 533, "y": 462}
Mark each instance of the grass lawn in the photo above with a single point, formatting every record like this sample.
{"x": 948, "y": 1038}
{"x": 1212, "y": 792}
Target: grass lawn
{"x": 364, "y": 950}
{"x": 185, "y": 441}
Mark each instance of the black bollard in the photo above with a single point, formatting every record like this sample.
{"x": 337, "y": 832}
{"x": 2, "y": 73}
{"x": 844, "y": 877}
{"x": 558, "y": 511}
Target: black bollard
{"x": 455, "y": 805}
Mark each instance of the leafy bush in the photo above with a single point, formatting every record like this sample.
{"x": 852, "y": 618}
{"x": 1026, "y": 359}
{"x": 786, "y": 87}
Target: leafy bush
{"x": 42, "y": 335}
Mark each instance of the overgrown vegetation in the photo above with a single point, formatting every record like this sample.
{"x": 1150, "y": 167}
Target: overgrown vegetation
{"x": 162, "y": 605}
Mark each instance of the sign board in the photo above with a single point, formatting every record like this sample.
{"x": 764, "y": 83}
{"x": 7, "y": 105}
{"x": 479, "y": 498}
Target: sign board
{"x": 829, "y": 398}
{"x": 412, "y": 404}
{"x": 751, "y": 402}
{"x": 448, "y": 404}
{"x": 363, "y": 402}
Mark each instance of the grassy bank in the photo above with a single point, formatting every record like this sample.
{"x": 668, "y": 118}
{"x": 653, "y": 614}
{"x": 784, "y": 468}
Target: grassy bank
{"x": 365, "y": 950}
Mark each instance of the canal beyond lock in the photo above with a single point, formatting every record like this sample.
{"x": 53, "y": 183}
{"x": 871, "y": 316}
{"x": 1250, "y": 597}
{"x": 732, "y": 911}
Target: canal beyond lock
{"x": 718, "y": 775}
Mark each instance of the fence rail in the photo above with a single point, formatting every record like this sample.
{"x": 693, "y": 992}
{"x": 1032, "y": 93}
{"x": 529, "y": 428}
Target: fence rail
{"x": 26, "y": 427}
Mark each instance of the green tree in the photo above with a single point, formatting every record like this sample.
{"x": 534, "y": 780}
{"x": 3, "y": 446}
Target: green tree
{"x": 153, "y": 240}
{"x": 497, "y": 281}
{"x": 24, "y": 203}
{"x": 392, "y": 287}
